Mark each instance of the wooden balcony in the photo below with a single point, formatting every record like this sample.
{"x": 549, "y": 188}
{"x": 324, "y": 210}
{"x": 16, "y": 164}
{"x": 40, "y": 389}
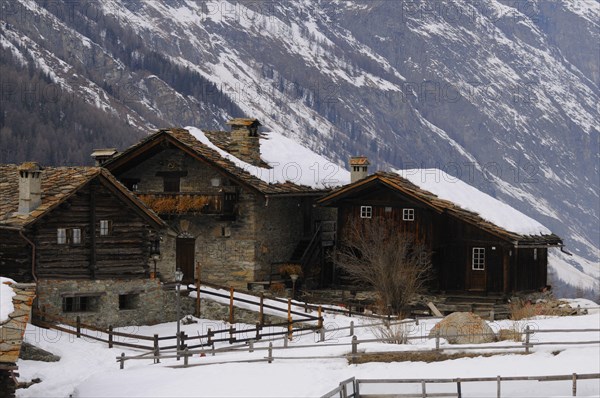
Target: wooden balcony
{"x": 223, "y": 204}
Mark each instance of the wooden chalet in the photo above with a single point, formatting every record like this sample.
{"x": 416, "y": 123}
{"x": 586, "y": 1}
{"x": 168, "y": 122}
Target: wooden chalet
{"x": 83, "y": 237}
{"x": 470, "y": 253}
{"x": 232, "y": 225}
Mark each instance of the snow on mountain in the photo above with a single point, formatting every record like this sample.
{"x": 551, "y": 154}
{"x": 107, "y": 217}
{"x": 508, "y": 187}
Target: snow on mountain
{"x": 501, "y": 94}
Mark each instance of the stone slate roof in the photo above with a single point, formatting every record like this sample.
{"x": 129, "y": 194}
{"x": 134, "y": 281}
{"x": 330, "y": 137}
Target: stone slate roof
{"x": 12, "y": 330}
{"x": 359, "y": 161}
{"x": 58, "y": 184}
{"x": 407, "y": 188}
{"x": 187, "y": 142}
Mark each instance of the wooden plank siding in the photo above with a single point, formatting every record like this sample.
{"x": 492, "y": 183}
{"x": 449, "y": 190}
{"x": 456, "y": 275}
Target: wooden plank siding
{"x": 122, "y": 253}
{"x": 452, "y": 241}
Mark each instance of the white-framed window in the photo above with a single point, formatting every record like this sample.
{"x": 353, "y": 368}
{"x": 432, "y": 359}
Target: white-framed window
{"x": 478, "y": 261}
{"x": 61, "y": 236}
{"x": 408, "y": 214}
{"x": 105, "y": 227}
{"x": 366, "y": 212}
{"x": 76, "y": 236}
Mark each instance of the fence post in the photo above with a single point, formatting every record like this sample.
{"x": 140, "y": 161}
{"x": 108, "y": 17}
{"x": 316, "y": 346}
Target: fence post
{"x": 209, "y": 334}
{"x": 122, "y": 359}
{"x": 423, "y": 389}
{"x": 177, "y": 345}
{"x": 183, "y": 339}
{"x": 574, "y": 384}
{"x": 498, "y": 391}
{"x": 290, "y": 324}
{"x": 231, "y": 334}
{"x": 322, "y": 334}
{"x": 351, "y": 328}
{"x": 416, "y": 321}
{"x": 527, "y": 331}
{"x": 320, "y": 321}
{"x": 231, "y": 291}
{"x": 212, "y": 348}
{"x": 437, "y": 340}
{"x": 354, "y": 348}
{"x": 261, "y": 315}
{"x": 458, "y": 388}
{"x": 286, "y": 339}
{"x": 156, "y": 349}
{"x": 305, "y": 307}
{"x": 78, "y": 320}
{"x": 110, "y": 336}
{"x": 270, "y": 353}
{"x": 250, "y": 345}
{"x": 344, "y": 391}
{"x": 186, "y": 354}
{"x": 258, "y": 328}
{"x": 198, "y": 270}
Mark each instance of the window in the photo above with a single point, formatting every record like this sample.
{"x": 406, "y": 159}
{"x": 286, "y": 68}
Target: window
{"x": 71, "y": 236}
{"x": 225, "y": 232}
{"x": 535, "y": 254}
{"x": 171, "y": 183}
{"x": 355, "y": 168}
{"x": 128, "y": 301}
{"x": 478, "y": 259}
{"x": 388, "y": 209}
{"x": 79, "y": 303}
{"x": 105, "y": 227}
{"x": 408, "y": 214}
{"x": 366, "y": 212}
{"x": 61, "y": 236}
{"x": 76, "y": 236}
{"x": 131, "y": 183}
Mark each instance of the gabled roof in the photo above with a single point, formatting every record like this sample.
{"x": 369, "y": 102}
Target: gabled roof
{"x": 58, "y": 184}
{"x": 185, "y": 141}
{"x": 407, "y": 188}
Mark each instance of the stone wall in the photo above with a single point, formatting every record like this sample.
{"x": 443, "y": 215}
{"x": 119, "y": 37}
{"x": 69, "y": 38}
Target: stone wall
{"x": 147, "y": 305}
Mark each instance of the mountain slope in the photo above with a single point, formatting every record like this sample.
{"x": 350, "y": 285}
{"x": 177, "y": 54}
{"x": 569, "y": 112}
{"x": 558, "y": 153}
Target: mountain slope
{"x": 501, "y": 94}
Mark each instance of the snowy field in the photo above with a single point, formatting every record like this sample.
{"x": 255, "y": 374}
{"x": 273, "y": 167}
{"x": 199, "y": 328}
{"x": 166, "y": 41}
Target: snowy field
{"x": 90, "y": 369}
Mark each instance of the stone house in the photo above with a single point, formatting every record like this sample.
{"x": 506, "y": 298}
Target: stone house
{"x": 84, "y": 239}
{"x": 225, "y": 215}
{"x": 478, "y": 244}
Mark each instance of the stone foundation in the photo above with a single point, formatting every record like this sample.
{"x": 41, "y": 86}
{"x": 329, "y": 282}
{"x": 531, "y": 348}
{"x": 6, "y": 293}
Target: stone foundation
{"x": 100, "y": 303}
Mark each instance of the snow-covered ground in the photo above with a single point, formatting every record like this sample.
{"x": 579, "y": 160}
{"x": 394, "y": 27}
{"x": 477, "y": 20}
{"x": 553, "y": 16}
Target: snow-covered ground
{"x": 89, "y": 369}
{"x": 6, "y": 295}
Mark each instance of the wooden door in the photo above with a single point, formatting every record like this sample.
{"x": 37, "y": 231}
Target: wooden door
{"x": 185, "y": 258}
{"x": 477, "y": 269}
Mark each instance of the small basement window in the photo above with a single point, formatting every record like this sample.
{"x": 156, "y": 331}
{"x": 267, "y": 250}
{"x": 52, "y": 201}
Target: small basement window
{"x": 408, "y": 214}
{"x": 129, "y": 301}
{"x": 105, "y": 227}
{"x": 478, "y": 261}
{"x": 366, "y": 211}
{"x": 80, "y": 304}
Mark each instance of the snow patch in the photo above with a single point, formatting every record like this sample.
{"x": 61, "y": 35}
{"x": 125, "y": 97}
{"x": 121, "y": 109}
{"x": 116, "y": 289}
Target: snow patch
{"x": 6, "y": 295}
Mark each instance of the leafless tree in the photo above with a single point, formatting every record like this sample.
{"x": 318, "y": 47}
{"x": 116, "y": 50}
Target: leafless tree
{"x": 376, "y": 254}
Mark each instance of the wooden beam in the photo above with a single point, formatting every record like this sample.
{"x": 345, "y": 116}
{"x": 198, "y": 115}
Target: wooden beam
{"x": 92, "y": 264}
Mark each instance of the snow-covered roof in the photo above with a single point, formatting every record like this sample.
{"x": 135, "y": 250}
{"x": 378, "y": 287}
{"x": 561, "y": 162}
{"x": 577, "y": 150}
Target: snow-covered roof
{"x": 470, "y": 198}
{"x": 289, "y": 162}
{"x": 446, "y": 194}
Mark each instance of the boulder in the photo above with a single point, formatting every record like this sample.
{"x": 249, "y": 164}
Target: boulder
{"x": 33, "y": 353}
{"x": 464, "y": 328}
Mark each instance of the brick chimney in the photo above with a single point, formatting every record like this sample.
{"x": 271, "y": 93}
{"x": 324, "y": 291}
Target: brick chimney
{"x": 245, "y": 140}
{"x": 359, "y": 168}
{"x": 102, "y": 155}
{"x": 30, "y": 187}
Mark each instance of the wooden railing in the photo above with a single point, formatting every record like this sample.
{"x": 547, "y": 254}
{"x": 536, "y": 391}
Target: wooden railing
{"x": 354, "y": 385}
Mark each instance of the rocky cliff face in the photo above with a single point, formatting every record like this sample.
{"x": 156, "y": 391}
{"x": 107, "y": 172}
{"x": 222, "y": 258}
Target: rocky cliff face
{"x": 501, "y": 93}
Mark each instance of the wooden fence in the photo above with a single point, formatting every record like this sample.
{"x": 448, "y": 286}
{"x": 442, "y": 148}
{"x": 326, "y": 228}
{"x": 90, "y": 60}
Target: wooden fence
{"x": 350, "y": 388}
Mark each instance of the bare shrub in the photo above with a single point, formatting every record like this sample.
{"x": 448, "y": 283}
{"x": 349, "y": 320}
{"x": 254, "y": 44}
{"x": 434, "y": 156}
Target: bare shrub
{"x": 513, "y": 334}
{"x": 396, "y": 264}
{"x": 394, "y": 333}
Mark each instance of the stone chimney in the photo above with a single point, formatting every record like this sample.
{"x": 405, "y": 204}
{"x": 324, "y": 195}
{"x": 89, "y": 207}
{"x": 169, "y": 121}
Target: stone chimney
{"x": 359, "y": 168}
{"x": 101, "y": 156}
{"x": 30, "y": 187}
{"x": 245, "y": 140}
